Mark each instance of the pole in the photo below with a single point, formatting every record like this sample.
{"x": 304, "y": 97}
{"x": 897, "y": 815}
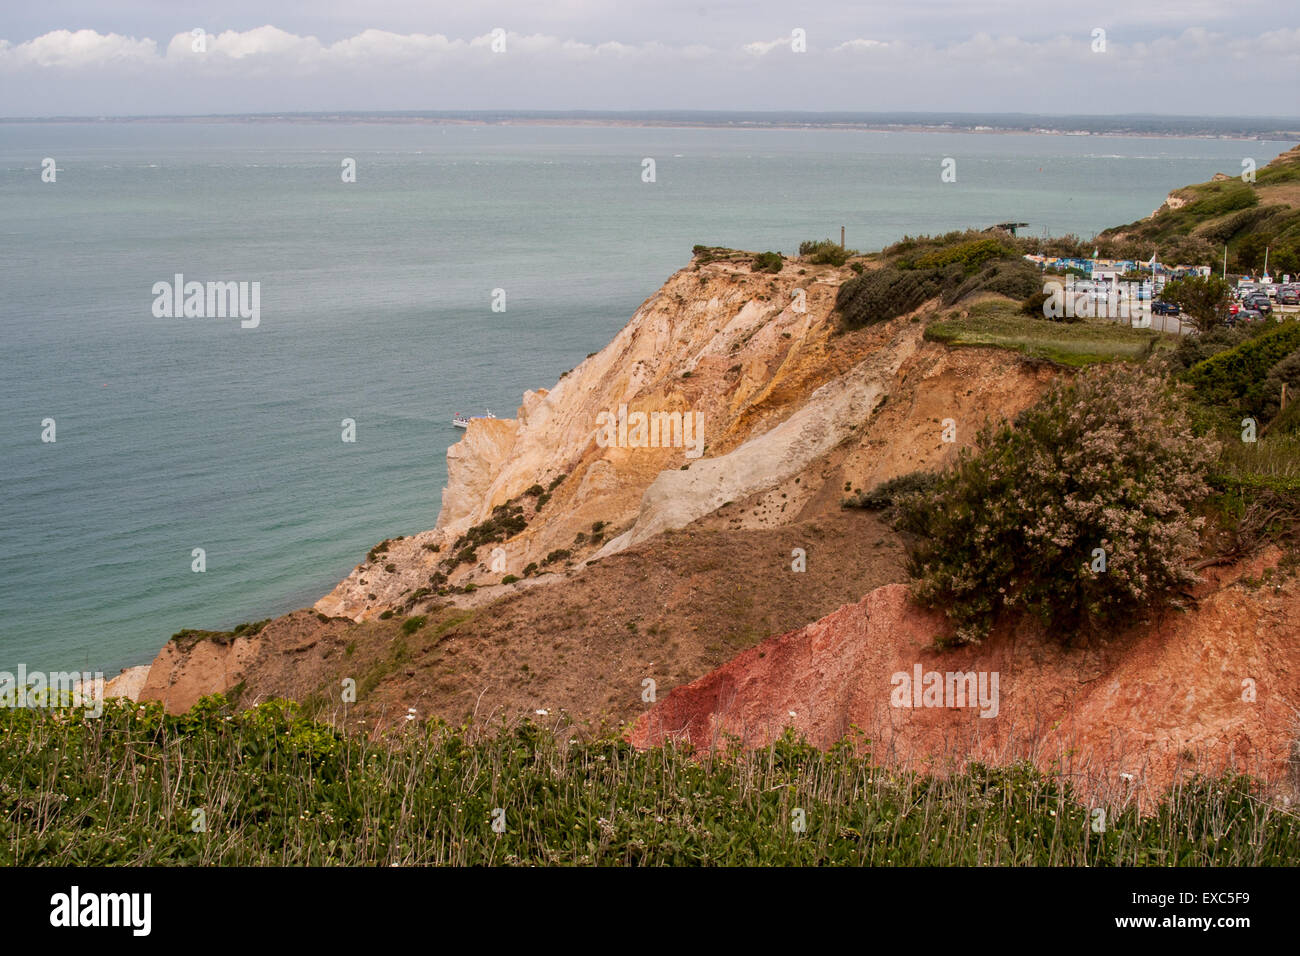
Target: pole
{"x": 841, "y": 237}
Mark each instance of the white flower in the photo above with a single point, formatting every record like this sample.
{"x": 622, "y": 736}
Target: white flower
{"x": 541, "y": 712}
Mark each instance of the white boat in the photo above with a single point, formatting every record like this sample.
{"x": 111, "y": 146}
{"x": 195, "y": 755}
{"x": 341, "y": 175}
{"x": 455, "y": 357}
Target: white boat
{"x": 462, "y": 421}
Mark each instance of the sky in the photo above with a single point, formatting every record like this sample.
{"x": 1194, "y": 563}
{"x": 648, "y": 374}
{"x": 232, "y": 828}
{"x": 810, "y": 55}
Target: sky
{"x": 143, "y": 57}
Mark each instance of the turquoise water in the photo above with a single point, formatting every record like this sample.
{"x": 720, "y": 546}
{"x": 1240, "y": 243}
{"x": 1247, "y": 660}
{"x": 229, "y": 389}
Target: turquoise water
{"x": 175, "y": 434}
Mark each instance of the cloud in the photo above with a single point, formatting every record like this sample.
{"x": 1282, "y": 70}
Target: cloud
{"x": 84, "y": 48}
{"x": 271, "y": 69}
{"x": 763, "y": 47}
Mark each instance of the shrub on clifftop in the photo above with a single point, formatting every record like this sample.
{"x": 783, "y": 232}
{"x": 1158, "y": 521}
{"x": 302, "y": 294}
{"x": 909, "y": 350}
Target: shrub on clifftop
{"x": 825, "y": 252}
{"x": 1077, "y": 512}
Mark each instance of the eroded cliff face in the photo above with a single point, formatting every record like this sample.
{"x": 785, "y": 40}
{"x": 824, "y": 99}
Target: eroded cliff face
{"x": 756, "y": 363}
{"x": 692, "y": 571}
{"x": 1203, "y": 691}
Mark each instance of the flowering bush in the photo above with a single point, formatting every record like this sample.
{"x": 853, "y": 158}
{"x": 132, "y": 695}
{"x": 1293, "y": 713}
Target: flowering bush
{"x": 1077, "y": 512}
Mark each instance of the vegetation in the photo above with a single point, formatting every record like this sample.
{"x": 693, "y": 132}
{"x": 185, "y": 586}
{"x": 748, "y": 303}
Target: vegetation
{"x": 1238, "y": 378}
{"x": 883, "y": 294}
{"x": 190, "y": 636}
{"x": 277, "y": 789}
{"x": 954, "y": 267}
{"x": 1079, "y": 512}
{"x": 970, "y": 254}
{"x": 1204, "y": 298}
{"x": 767, "y": 262}
{"x": 1003, "y": 324}
{"x": 825, "y": 252}
{"x": 887, "y": 494}
{"x": 1246, "y": 217}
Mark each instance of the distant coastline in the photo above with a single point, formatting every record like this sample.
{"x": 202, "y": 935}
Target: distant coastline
{"x": 1135, "y": 125}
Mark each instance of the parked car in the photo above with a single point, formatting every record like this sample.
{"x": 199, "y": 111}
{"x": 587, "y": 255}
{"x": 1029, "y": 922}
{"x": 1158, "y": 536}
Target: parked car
{"x": 1160, "y": 307}
{"x": 1245, "y": 315}
{"x": 1260, "y": 303}
{"x": 1288, "y": 297}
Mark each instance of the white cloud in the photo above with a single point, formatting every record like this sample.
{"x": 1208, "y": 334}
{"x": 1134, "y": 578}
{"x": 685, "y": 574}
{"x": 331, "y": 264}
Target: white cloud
{"x": 763, "y": 47}
{"x": 271, "y": 69}
{"x": 860, "y": 45}
{"x": 84, "y": 48}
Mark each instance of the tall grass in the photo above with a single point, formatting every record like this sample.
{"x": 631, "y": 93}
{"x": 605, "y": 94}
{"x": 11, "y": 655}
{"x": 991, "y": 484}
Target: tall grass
{"x": 999, "y": 323}
{"x": 278, "y": 789}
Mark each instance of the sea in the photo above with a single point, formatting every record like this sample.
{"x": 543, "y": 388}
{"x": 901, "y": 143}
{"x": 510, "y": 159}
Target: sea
{"x": 464, "y": 265}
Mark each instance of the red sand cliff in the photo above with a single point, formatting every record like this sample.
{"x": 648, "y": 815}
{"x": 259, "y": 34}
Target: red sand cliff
{"x": 1123, "y": 717}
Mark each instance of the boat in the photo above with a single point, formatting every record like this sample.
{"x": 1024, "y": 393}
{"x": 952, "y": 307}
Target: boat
{"x": 462, "y": 421}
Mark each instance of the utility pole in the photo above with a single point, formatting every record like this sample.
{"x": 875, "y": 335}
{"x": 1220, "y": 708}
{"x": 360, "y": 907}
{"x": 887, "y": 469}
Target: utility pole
{"x": 841, "y": 237}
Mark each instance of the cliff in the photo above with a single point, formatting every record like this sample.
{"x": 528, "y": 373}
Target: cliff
{"x": 1203, "y": 691}
{"x": 756, "y": 360}
{"x": 640, "y": 562}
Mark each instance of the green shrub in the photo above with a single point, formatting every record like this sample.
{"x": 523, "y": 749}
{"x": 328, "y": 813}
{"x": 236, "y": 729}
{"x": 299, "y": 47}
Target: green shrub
{"x": 1034, "y": 304}
{"x": 825, "y": 252}
{"x": 530, "y": 568}
{"x": 1108, "y": 461}
{"x": 413, "y": 624}
{"x": 507, "y": 520}
{"x": 1014, "y": 278}
{"x": 969, "y": 255}
{"x": 883, "y": 294}
{"x": 886, "y": 494}
{"x": 560, "y": 554}
{"x": 384, "y": 616}
{"x": 1235, "y": 378}
{"x": 1194, "y": 349}
{"x": 509, "y": 579}
{"x": 1204, "y": 298}
{"x": 1286, "y": 372}
{"x": 767, "y": 262}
